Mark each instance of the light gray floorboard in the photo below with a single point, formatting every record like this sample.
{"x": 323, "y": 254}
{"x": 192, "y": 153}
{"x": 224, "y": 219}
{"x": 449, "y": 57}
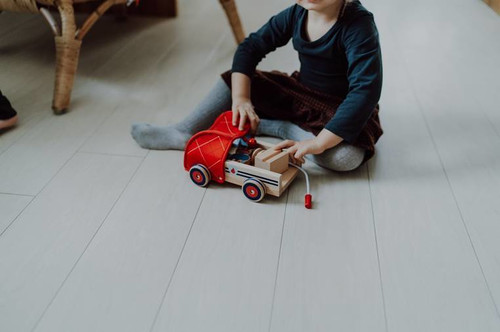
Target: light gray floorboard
{"x": 328, "y": 278}
{"x": 431, "y": 277}
{"x": 36, "y": 157}
{"x": 120, "y": 280}
{"x": 130, "y": 69}
{"x": 24, "y": 51}
{"x": 225, "y": 277}
{"x": 89, "y": 314}
{"x": 10, "y": 207}
{"x": 40, "y": 248}
{"x": 169, "y": 225}
{"x": 29, "y": 163}
{"x": 172, "y": 75}
{"x": 461, "y": 109}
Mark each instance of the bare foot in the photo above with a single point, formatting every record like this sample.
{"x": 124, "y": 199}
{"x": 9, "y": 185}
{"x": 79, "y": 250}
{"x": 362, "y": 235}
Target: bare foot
{"x": 4, "y": 124}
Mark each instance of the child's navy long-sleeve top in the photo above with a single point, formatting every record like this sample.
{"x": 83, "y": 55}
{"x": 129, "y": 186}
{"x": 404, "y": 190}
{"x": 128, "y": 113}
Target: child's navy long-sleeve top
{"x": 346, "y": 61}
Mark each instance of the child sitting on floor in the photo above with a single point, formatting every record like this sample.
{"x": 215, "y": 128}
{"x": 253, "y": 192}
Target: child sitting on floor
{"x": 327, "y": 112}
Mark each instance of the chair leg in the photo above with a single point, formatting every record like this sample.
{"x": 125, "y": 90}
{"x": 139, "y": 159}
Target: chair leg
{"x": 234, "y": 19}
{"x": 67, "y": 53}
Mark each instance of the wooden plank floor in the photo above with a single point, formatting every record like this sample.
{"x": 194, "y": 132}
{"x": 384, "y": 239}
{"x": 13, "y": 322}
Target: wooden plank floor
{"x": 97, "y": 234}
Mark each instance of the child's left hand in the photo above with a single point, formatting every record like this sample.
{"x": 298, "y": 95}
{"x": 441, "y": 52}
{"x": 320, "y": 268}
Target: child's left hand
{"x": 298, "y": 150}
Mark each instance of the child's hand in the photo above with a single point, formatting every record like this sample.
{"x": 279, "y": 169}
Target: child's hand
{"x": 242, "y": 111}
{"x": 298, "y": 150}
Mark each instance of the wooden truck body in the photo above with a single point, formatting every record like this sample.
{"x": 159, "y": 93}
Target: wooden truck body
{"x": 206, "y": 159}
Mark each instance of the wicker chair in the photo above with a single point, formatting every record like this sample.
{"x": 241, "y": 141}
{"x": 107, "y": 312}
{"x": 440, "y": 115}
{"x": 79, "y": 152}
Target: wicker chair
{"x": 68, "y": 37}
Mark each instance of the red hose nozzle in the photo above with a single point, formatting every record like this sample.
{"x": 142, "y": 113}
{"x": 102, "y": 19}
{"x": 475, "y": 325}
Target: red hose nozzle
{"x": 308, "y": 201}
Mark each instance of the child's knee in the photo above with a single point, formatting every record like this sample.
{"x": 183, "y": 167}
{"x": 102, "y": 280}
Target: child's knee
{"x": 342, "y": 158}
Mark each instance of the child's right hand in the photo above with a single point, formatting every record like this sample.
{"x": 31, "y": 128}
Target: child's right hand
{"x": 243, "y": 110}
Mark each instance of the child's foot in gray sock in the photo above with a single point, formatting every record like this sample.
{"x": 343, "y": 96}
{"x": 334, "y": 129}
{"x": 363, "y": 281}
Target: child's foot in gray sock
{"x": 159, "y": 138}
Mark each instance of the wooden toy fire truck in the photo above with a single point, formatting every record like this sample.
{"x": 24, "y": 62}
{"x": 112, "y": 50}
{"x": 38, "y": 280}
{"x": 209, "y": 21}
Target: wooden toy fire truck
{"x": 223, "y": 153}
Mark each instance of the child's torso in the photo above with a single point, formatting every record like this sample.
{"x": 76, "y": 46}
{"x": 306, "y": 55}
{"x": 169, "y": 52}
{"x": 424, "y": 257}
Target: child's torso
{"x": 321, "y": 51}
{"x": 314, "y": 30}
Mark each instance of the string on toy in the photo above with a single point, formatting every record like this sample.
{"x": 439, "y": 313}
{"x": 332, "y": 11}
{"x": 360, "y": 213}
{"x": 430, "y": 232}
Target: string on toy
{"x": 308, "y": 197}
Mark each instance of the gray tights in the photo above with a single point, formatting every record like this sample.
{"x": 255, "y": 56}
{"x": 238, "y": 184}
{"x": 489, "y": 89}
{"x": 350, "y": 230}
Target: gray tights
{"x": 343, "y": 157}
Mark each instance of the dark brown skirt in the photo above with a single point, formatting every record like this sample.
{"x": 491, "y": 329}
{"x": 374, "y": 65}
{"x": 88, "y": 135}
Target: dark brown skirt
{"x": 278, "y": 96}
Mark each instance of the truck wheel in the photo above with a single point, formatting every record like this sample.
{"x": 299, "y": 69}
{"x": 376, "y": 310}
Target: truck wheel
{"x": 254, "y": 189}
{"x": 200, "y": 175}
